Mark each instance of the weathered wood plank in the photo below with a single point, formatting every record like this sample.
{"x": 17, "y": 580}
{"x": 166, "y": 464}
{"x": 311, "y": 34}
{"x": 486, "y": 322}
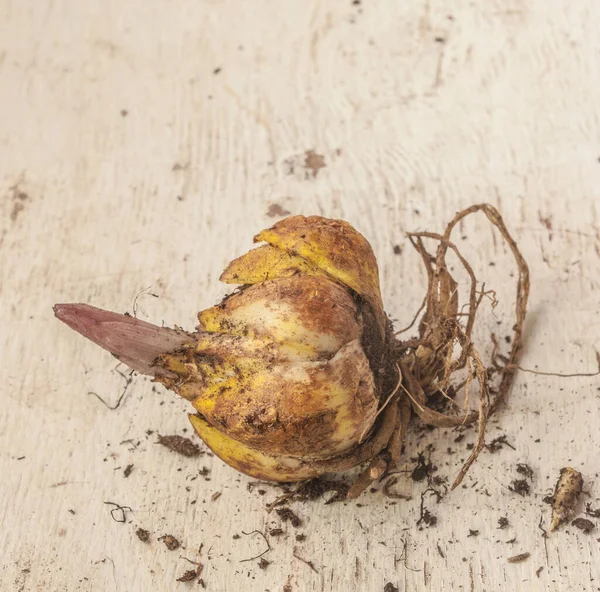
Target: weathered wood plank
{"x": 142, "y": 144}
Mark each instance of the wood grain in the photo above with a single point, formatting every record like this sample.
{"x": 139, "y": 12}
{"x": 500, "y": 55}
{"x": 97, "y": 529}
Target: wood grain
{"x": 142, "y": 144}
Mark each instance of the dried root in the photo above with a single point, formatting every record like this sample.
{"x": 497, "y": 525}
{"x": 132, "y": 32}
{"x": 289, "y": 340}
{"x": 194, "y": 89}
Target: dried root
{"x": 567, "y": 491}
{"x": 428, "y": 364}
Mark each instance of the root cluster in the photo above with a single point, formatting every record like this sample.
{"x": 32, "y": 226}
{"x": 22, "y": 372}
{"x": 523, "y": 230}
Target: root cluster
{"x": 426, "y": 367}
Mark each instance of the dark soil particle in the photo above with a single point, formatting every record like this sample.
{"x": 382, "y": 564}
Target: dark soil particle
{"x": 473, "y": 533}
{"x": 389, "y": 587}
{"x": 503, "y": 522}
{"x": 422, "y": 470}
{"x": 263, "y": 563}
{"x": 179, "y": 444}
{"x": 287, "y": 515}
{"x": 188, "y": 576}
{"x": 276, "y": 532}
{"x": 498, "y": 443}
{"x": 526, "y": 470}
{"x": 584, "y": 524}
{"x": 315, "y": 488}
{"x": 170, "y": 542}
{"x": 300, "y": 537}
{"x": 520, "y": 486}
{"x": 589, "y": 511}
{"x": 428, "y": 518}
{"x": 143, "y": 535}
{"x": 127, "y": 471}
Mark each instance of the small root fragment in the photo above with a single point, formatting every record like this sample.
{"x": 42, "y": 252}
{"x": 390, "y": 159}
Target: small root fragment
{"x": 377, "y": 466}
{"x": 519, "y": 558}
{"x": 566, "y": 493}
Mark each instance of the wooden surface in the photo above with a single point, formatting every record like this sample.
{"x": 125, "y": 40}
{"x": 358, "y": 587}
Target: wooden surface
{"x": 141, "y": 145}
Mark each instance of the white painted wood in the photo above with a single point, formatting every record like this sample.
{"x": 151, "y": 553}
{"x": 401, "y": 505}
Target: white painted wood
{"x": 144, "y": 165}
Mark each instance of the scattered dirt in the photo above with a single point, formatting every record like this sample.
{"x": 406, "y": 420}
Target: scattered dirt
{"x": 127, "y": 471}
{"x": 192, "y": 574}
{"x": 428, "y": 518}
{"x": 300, "y": 537}
{"x": 525, "y": 469}
{"x": 143, "y": 535}
{"x": 287, "y": 515}
{"x": 589, "y": 511}
{"x": 314, "y": 162}
{"x": 276, "y": 210}
{"x": 520, "y": 486}
{"x": 584, "y": 524}
{"x": 498, "y": 443}
{"x": 188, "y": 576}
{"x": 275, "y": 532}
{"x": 397, "y": 250}
{"x": 179, "y": 444}
{"x": 312, "y": 490}
{"x": 473, "y": 533}
{"x": 503, "y": 522}
{"x": 263, "y": 563}
{"x": 422, "y": 470}
{"x": 389, "y": 587}
{"x": 519, "y": 558}
{"x": 425, "y": 515}
{"x": 170, "y": 542}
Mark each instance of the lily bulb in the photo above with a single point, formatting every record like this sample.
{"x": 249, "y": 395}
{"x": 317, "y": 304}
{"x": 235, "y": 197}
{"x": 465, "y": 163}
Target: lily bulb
{"x": 285, "y": 375}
